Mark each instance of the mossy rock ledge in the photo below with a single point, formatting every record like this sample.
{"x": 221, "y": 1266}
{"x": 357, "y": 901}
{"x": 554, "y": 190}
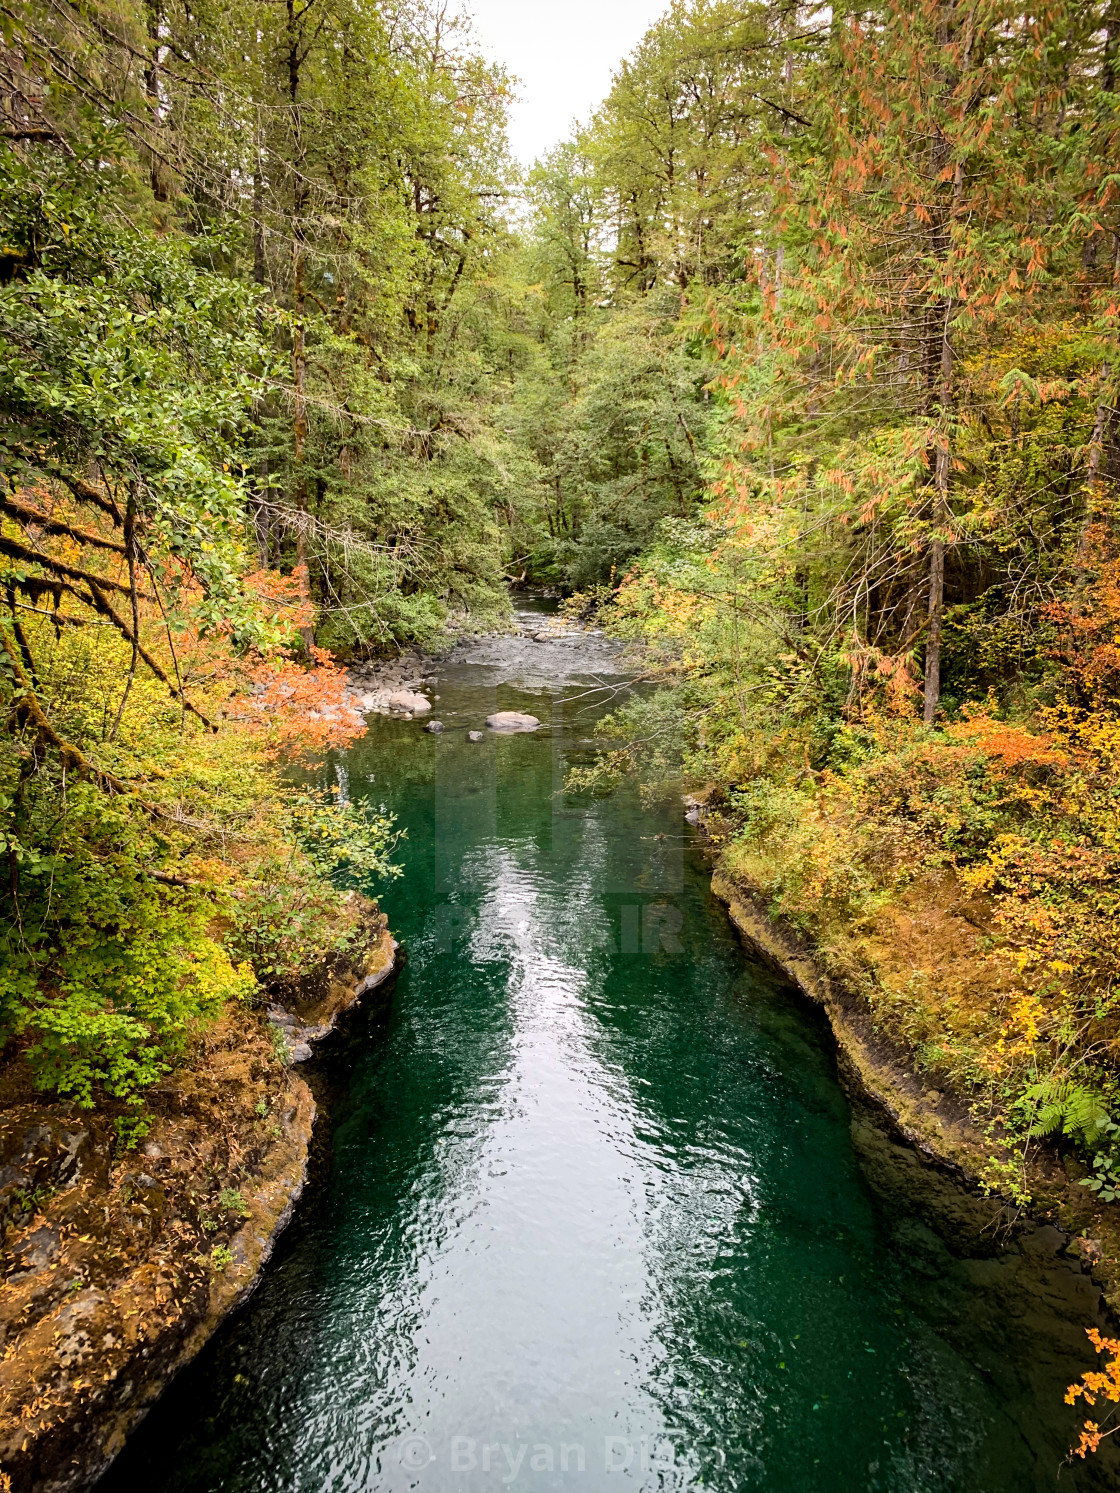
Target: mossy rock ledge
{"x": 883, "y": 1075}
{"x": 118, "y": 1267}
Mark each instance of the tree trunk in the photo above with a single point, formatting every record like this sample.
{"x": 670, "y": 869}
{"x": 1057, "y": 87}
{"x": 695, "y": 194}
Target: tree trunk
{"x": 299, "y": 335}
{"x": 263, "y": 522}
{"x": 157, "y": 169}
{"x": 944, "y": 363}
{"x": 933, "y": 637}
{"x": 260, "y": 267}
{"x": 941, "y": 514}
{"x": 1102, "y": 425}
{"x": 299, "y": 429}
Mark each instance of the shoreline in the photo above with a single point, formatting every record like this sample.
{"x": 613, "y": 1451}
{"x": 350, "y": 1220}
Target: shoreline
{"x": 935, "y": 1124}
{"x": 85, "y": 1356}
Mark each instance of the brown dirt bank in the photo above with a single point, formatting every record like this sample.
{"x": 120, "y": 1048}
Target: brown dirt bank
{"x": 118, "y": 1265}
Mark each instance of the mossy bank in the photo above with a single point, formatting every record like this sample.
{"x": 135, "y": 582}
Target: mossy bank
{"x": 119, "y": 1264}
{"x": 936, "y": 1122}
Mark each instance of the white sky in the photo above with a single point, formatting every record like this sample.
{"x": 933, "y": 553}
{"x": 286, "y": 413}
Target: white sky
{"x": 563, "y": 52}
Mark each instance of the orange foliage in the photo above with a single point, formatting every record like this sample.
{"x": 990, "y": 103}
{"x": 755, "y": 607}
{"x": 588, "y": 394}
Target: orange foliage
{"x": 285, "y": 598}
{"x": 1009, "y": 745}
{"x": 894, "y": 672}
{"x": 262, "y": 690}
{"x": 1097, "y": 1382}
{"x": 298, "y": 712}
{"x": 295, "y": 712}
{"x": 1091, "y": 621}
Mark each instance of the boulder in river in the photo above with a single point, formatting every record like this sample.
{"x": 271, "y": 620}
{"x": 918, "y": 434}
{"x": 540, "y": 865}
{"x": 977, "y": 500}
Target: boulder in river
{"x": 406, "y": 699}
{"x": 474, "y": 735}
{"x": 696, "y": 805}
{"x": 435, "y": 727}
{"x": 512, "y": 720}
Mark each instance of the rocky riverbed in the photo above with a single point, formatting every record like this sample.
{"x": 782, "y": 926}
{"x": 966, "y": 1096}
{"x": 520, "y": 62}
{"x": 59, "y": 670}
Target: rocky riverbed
{"x": 408, "y": 687}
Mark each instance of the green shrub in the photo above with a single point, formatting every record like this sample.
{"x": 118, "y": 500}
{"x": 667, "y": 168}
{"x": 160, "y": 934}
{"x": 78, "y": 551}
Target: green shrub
{"x": 105, "y": 969}
{"x": 347, "y": 844}
{"x": 288, "y": 923}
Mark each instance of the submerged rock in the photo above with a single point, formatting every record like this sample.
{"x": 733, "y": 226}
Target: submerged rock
{"x": 512, "y": 720}
{"x": 434, "y": 726}
{"x": 474, "y": 735}
{"x": 406, "y": 699}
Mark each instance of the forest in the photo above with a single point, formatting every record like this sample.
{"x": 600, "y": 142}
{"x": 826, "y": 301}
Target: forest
{"x": 797, "y": 366}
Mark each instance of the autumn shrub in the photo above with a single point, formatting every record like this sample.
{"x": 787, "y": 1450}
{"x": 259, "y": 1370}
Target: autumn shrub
{"x": 120, "y": 940}
{"x": 814, "y": 869}
{"x": 287, "y": 924}
{"x": 347, "y": 844}
{"x": 1098, "y": 1384}
{"x": 965, "y": 876}
{"x": 106, "y": 971}
{"x": 130, "y": 918}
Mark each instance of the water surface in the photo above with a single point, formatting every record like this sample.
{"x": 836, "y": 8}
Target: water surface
{"x": 596, "y": 1213}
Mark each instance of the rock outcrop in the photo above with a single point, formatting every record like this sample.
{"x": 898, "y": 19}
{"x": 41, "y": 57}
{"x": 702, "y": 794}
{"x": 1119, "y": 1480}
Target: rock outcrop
{"x": 119, "y": 1264}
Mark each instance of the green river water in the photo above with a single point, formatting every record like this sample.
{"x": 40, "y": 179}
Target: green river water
{"x": 591, "y": 1210}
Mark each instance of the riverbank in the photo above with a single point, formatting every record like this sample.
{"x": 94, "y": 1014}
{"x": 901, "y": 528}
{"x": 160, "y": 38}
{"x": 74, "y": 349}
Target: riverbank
{"x": 959, "y": 880}
{"x": 121, "y": 1264}
{"x": 937, "y": 1122}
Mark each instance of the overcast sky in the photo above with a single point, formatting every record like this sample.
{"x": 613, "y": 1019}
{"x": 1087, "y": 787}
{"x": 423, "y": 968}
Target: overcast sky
{"x": 563, "y": 52}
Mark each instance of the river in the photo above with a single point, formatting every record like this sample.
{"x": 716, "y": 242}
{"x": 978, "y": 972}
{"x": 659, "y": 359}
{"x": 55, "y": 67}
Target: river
{"x": 592, "y": 1211}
